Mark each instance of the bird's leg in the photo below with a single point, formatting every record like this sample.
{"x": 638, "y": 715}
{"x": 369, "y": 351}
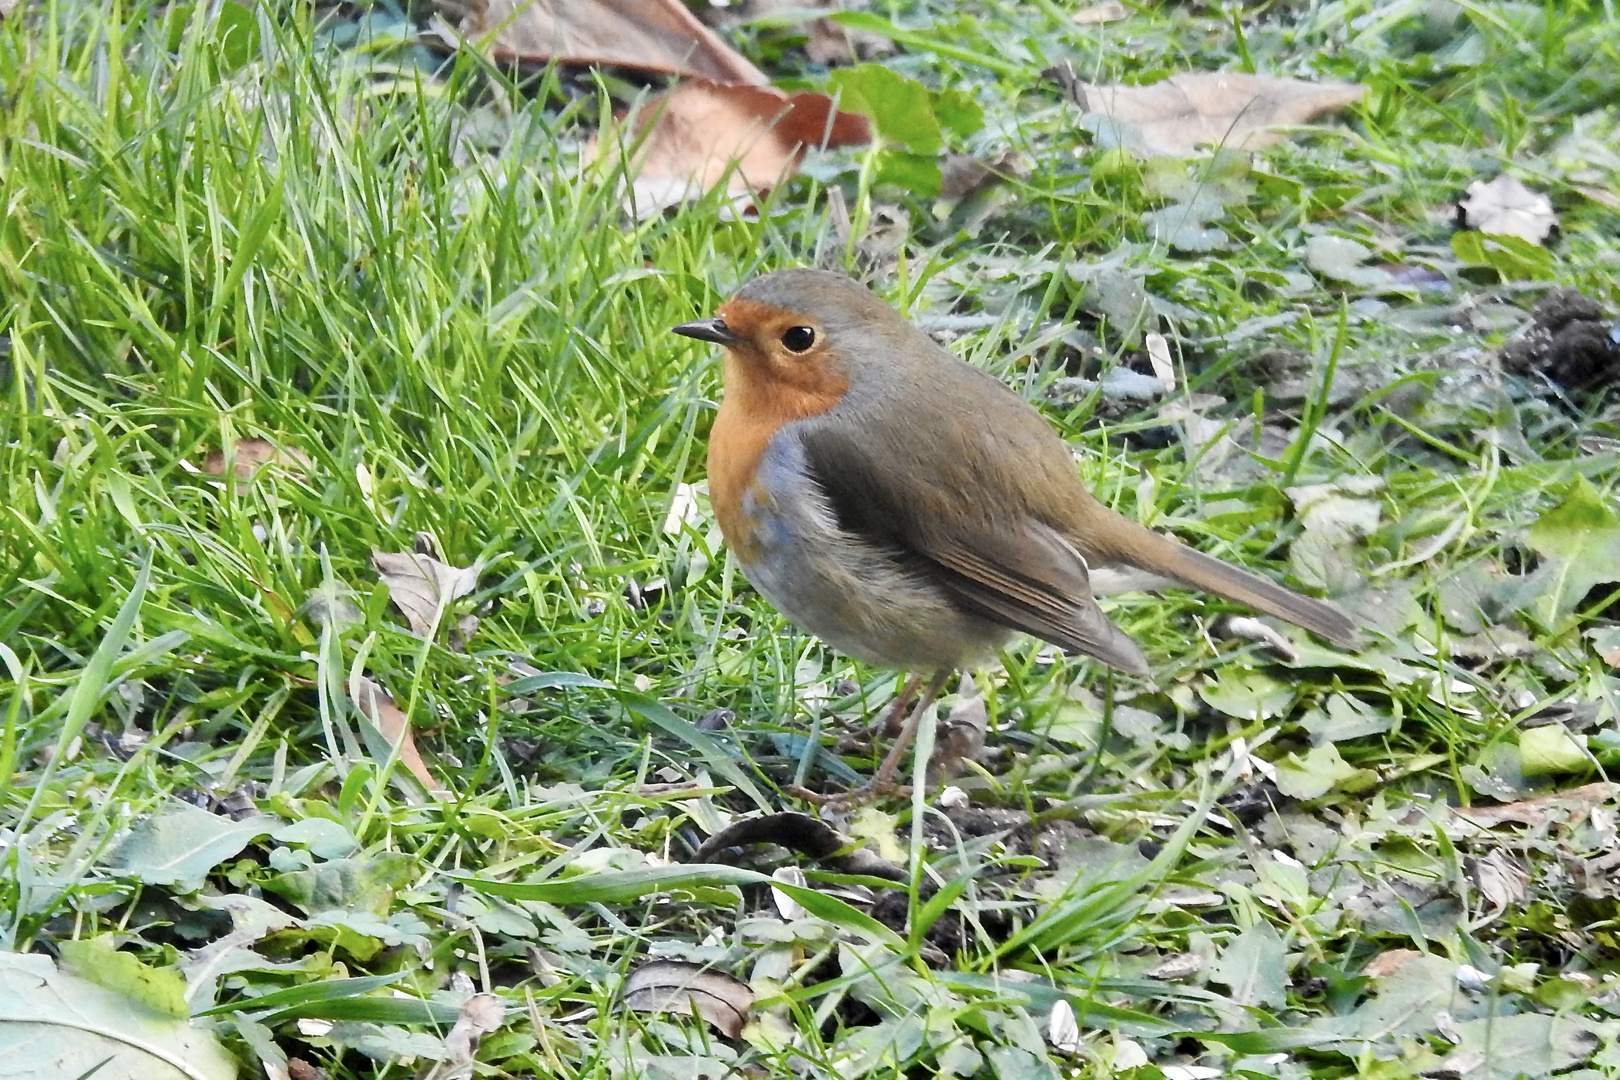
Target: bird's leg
{"x": 894, "y": 720}
{"x": 885, "y": 774}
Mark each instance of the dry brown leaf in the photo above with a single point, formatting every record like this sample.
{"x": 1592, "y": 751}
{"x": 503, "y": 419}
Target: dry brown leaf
{"x": 701, "y": 127}
{"x": 960, "y": 734}
{"x": 960, "y": 175}
{"x": 648, "y": 35}
{"x": 377, "y": 706}
{"x": 1505, "y": 207}
{"x": 1389, "y": 962}
{"x": 1175, "y": 966}
{"x": 251, "y": 455}
{"x": 1596, "y": 878}
{"x": 1568, "y": 806}
{"x": 1501, "y": 881}
{"x": 422, "y": 586}
{"x": 480, "y": 1015}
{"x": 675, "y": 986}
{"x": 1176, "y": 116}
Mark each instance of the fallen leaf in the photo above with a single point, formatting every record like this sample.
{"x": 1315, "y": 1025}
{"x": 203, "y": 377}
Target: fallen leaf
{"x": 703, "y": 133}
{"x": 331, "y": 603}
{"x": 1186, "y": 226}
{"x": 1320, "y": 771}
{"x": 1128, "y": 1055}
{"x": 786, "y": 905}
{"x": 1176, "y": 966}
{"x": 674, "y": 986}
{"x": 960, "y": 733}
{"x": 1247, "y": 695}
{"x": 1339, "y": 511}
{"x": 1062, "y": 1029}
{"x": 57, "y": 1024}
{"x": 422, "y": 586}
{"x": 1530, "y": 1045}
{"x": 1248, "y": 628}
{"x": 1606, "y": 639}
{"x": 1595, "y": 878}
{"x": 1567, "y": 806}
{"x": 1500, "y": 881}
{"x": 1093, "y": 14}
{"x": 1253, "y": 966}
{"x": 1178, "y": 115}
{"x": 97, "y": 960}
{"x": 251, "y": 455}
{"x": 647, "y": 35}
{"x": 1505, "y": 207}
{"x": 377, "y": 706}
{"x": 961, "y": 175}
{"x": 1389, "y": 962}
{"x": 1579, "y": 539}
{"x": 480, "y": 1015}
{"x": 1340, "y": 258}
{"x": 1551, "y": 749}
{"x": 1158, "y": 352}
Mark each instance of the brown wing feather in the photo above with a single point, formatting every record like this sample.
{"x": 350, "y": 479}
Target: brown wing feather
{"x": 1041, "y": 601}
{"x": 1019, "y": 572}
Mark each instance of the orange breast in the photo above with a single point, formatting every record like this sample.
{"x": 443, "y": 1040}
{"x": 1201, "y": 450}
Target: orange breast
{"x": 754, "y": 408}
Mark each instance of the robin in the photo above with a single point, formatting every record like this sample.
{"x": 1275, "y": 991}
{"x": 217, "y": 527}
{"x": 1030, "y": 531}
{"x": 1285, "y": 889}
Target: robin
{"x": 913, "y": 512}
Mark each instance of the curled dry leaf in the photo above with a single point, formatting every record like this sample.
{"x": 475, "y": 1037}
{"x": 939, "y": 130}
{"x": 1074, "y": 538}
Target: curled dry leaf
{"x": 786, "y": 905}
{"x": 251, "y": 455}
{"x": 1249, "y": 628}
{"x": 1176, "y": 966}
{"x": 1128, "y": 1054}
{"x": 1565, "y": 806}
{"x": 1062, "y": 1029}
{"x": 1176, "y": 116}
{"x": 1505, "y": 207}
{"x": 961, "y": 734}
{"x": 961, "y": 175}
{"x": 675, "y": 986}
{"x": 480, "y": 1015}
{"x": 377, "y": 706}
{"x": 1502, "y": 882}
{"x": 422, "y": 586}
{"x": 647, "y": 35}
{"x": 703, "y": 133}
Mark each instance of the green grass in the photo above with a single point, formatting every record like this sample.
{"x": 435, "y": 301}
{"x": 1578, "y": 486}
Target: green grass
{"x": 237, "y": 226}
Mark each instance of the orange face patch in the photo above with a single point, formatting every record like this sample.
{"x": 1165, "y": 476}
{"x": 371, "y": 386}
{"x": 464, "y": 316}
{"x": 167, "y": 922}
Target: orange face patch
{"x": 767, "y": 384}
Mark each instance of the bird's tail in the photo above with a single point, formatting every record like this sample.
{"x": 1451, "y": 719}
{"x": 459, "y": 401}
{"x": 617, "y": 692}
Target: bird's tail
{"x": 1152, "y": 552}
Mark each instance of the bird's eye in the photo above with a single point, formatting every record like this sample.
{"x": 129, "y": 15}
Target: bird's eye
{"x": 798, "y": 338}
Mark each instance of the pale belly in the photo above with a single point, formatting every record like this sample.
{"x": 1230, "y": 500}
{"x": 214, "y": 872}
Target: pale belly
{"x": 860, "y": 598}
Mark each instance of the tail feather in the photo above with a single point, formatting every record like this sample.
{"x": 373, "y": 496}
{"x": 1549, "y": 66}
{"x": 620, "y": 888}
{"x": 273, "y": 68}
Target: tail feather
{"x": 1152, "y": 552}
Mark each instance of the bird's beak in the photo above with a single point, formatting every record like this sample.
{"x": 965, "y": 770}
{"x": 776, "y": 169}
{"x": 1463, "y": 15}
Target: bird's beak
{"x": 714, "y": 330}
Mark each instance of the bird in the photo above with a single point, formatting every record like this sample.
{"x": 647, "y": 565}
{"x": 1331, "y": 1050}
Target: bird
{"x": 910, "y": 509}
